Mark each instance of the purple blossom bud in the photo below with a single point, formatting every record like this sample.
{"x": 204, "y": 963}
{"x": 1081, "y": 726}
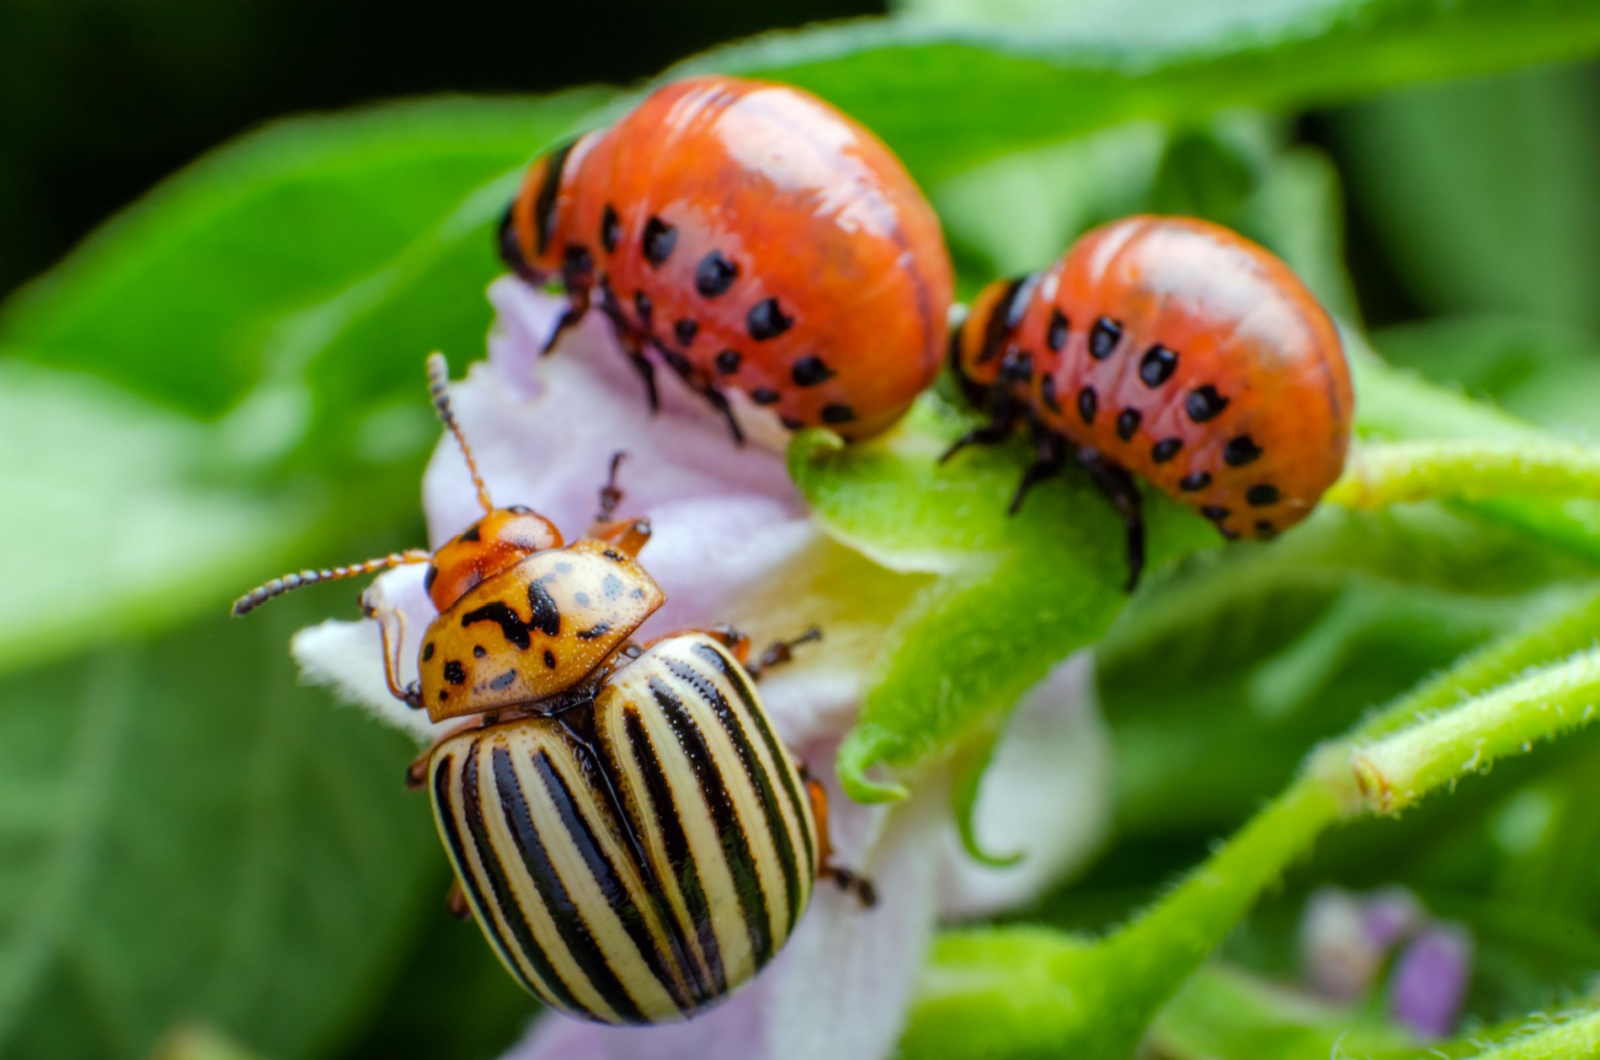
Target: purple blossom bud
{"x": 1339, "y": 955}
{"x": 1430, "y": 980}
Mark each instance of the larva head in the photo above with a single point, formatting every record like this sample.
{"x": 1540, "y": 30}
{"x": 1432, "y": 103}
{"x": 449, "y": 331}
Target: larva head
{"x": 530, "y": 232}
{"x": 976, "y": 347}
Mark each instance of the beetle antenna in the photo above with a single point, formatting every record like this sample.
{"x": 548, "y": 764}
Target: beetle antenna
{"x": 439, "y": 390}
{"x": 289, "y": 582}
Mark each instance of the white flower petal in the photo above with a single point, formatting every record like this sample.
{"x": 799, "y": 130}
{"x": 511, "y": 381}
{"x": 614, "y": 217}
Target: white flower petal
{"x": 349, "y": 655}
{"x": 1046, "y": 795}
{"x": 840, "y": 988}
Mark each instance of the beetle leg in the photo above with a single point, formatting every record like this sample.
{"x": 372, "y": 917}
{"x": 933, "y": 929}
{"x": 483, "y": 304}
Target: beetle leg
{"x": 719, "y": 401}
{"x": 1003, "y": 415}
{"x": 782, "y": 651}
{"x": 577, "y": 307}
{"x": 417, "y": 771}
{"x": 610, "y": 494}
{"x": 456, "y": 901}
{"x": 1117, "y": 484}
{"x": 1049, "y": 454}
{"x": 846, "y": 880}
{"x": 392, "y": 635}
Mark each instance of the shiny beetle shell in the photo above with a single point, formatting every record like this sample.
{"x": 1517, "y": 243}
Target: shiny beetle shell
{"x": 637, "y": 863}
{"x": 1184, "y": 353}
{"x": 533, "y": 630}
{"x": 753, "y": 238}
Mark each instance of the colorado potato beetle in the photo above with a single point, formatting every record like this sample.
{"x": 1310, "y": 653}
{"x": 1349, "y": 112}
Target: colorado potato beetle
{"x": 751, "y": 237}
{"x": 624, "y": 823}
{"x": 1175, "y": 349}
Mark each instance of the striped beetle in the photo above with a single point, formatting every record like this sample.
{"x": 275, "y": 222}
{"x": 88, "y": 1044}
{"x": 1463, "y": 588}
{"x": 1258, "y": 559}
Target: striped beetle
{"x": 625, "y": 825}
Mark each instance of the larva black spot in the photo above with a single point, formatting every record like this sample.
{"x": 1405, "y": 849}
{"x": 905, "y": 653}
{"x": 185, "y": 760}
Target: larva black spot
{"x": 838, "y": 414}
{"x": 577, "y": 261}
{"x": 1047, "y": 393}
{"x": 763, "y": 395}
{"x": 1088, "y": 403}
{"x": 685, "y": 330}
{"x": 1196, "y": 480}
{"x": 714, "y": 275}
{"x": 1128, "y": 423}
{"x": 810, "y": 371}
{"x": 1165, "y": 449}
{"x": 1240, "y": 451}
{"x": 427, "y": 651}
{"x": 1017, "y": 367}
{"x": 1055, "y": 335}
{"x": 643, "y": 307}
{"x": 766, "y": 320}
{"x": 611, "y": 586}
{"x": 563, "y": 567}
{"x": 581, "y": 599}
{"x": 1157, "y": 365}
{"x": 1216, "y": 513}
{"x": 1204, "y": 403}
{"x": 790, "y": 423}
{"x": 1265, "y": 528}
{"x": 472, "y": 533}
{"x": 455, "y": 673}
{"x": 728, "y": 362}
{"x": 1262, "y": 495}
{"x": 478, "y": 652}
{"x": 610, "y": 229}
{"x": 658, "y": 240}
{"x": 1103, "y": 339}
{"x": 549, "y": 659}
{"x": 503, "y": 682}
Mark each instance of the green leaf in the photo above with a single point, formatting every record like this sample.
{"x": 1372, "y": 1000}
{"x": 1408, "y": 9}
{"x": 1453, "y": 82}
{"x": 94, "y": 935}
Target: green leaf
{"x": 1018, "y": 593}
{"x": 188, "y": 835}
{"x": 1225, "y": 1014}
{"x": 114, "y": 522}
{"x": 946, "y": 97}
{"x": 210, "y": 286}
{"x": 1481, "y": 193}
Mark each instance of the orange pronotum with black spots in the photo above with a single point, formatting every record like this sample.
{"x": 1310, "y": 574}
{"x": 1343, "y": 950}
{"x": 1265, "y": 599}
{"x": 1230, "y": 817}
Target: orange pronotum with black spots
{"x": 625, "y": 825}
{"x": 1175, "y": 349}
{"x": 753, "y": 238}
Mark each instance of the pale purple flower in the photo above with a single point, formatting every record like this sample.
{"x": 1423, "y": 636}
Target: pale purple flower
{"x": 735, "y": 542}
{"x": 1430, "y": 980}
{"x": 1347, "y": 940}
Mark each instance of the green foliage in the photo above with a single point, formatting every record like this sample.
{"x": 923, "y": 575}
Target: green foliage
{"x": 188, "y": 834}
{"x": 219, "y": 383}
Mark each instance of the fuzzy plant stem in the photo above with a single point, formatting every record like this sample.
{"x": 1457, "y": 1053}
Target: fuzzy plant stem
{"x": 1048, "y": 995}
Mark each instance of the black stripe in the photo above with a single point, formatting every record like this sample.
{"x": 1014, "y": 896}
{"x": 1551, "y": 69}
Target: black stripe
{"x": 458, "y": 854}
{"x": 544, "y": 206}
{"x": 601, "y": 868}
{"x": 782, "y": 841}
{"x": 574, "y": 931}
{"x": 730, "y": 830}
{"x": 779, "y": 753}
{"x": 664, "y": 810}
{"x": 504, "y": 898}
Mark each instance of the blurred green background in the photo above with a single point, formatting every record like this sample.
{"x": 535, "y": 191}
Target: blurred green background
{"x": 223, "y": 383}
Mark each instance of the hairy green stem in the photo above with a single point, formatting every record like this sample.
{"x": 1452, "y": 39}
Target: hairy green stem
{"x": 1383, "y": 473}
{"x": 1574, "y": 1039}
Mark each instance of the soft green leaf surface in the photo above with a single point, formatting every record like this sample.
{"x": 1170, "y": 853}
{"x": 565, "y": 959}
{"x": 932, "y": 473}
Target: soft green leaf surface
{"x": 945, "y": 97}
{"x": 1019, "y": 593}
{"x": 1482, "y": 192}
{"x": 188, "y": 835}
{"x": 191, "y": 297}
{"x": 113, "y": 522}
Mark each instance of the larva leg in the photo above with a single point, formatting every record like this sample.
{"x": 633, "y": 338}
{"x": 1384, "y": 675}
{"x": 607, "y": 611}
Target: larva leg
{"x": 1117, "y": 484}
